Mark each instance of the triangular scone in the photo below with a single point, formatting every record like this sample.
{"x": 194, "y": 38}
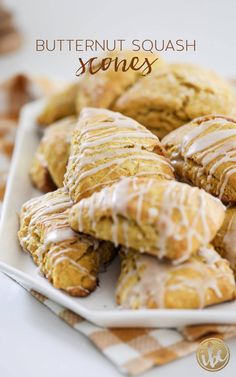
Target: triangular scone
{"x": 71, "y": 261}
{"x": 174, "y": 95}
{"x": 225, "y": 239}
{"x": 108, "y": 146}
{"x": 203, "y": 152}
{"x": 49, "y": 163}
{"x": 168, "y": 219}
{"x": 205, "y": 279}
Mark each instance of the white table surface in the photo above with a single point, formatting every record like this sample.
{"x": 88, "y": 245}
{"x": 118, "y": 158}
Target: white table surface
{"x": 33, "y": 341}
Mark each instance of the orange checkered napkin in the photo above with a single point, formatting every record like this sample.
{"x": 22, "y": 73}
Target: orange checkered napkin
{"x": 135, "y": 350}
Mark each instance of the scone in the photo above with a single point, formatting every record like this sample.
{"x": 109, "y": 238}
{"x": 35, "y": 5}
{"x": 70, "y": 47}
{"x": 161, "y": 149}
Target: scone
{"x": 100, "y": 89}
{"x": 225, "y": 239}
{"x": 107, "y": 146}
{"x": 205, "y": 279}
{"x": 203, "y": 152}
{"x": 103, "y": 88}
{"x": 71, "y": 261}
{"x": 59, "y": 105}
{"x": 168, "y": 219}
{"x": 50, "y": 161}
{"x": 174, "y": 95}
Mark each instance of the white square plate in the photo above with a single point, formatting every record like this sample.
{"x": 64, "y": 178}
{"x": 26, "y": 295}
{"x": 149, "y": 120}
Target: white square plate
{"x": 99, "y": 307}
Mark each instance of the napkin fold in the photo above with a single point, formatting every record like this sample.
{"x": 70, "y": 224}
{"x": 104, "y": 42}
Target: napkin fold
{"x": 134, "y": 351}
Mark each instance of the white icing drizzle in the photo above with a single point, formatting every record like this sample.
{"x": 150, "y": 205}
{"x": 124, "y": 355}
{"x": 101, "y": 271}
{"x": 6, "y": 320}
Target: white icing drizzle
{"x": 124, "y": 203}
{"x": 95, "y": 141}
{"x": 59, "y": 235}
{"x": 154, "y": 279}
{"x": 206, "y": 141}
{"x": 143, "y": 191}
{"x": 209, "y": 255}
{"x": 181, "y": 202}
{"x": 68, "y": 289}
{"x": 213, "y": 145}
{"x": 42, "y": 160}
{"x": 103, "y": 144}
{"x": 50, "y": 213}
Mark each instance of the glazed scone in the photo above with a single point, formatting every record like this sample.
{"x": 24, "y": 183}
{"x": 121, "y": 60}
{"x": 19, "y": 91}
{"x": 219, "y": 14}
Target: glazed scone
{"x": 203, "y": 152}
{"x": 107, "y": 146}
{"x": 103, "y": 88}
{"x": 168, "y": 219}
{"x": 205, "y": 279}
{"x": 174, "y": 95}
{"x": 49, "y": 164}
{"x": 59, "y": 105}
{"x": 71, "y": 261}
{"x": 225, "y": 239}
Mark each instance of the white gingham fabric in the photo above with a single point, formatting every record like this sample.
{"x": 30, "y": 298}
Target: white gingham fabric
{"x": 135, "y": 350}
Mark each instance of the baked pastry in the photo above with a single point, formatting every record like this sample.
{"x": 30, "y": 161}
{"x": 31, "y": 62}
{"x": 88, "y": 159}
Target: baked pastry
{"x": 225, "y": 239}
{"x": 174, "y": 95}
{"x": 59, "y": 105}
{"x": 103, "y": 88}
{"x": 203, "y": 152}
{"x": 205, "y": 279}
{"x": 71, "y": 261}
{"x": 50, "y": 161}
{"x": 168, "y": 219}
{"x": 39, "y": 173}
{"x": 107, "y": 146}
{"x": 98, "y": 90}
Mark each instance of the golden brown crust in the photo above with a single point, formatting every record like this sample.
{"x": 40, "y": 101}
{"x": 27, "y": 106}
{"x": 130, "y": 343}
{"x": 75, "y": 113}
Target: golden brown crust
{"x": 165, "y": 218}
{"x": 203, "y": 152}
{"x": 59, "y": 105}
{"x": 103, "y": 88}
{"x": 39, "y": 173}
{"x": 69, "y": 260}
{"x": 225, "y": 239}
{"x": 108, "y": 146}
{"x": 205, "y": 279}
{"x": 50, "y": 161}
{"x": 99, "y": 90}
{"x": 174, "y": 95}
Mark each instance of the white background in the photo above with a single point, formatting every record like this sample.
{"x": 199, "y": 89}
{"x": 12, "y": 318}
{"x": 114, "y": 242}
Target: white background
{"x": 34, "y": 342}
{"x": 210, "y": 22}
